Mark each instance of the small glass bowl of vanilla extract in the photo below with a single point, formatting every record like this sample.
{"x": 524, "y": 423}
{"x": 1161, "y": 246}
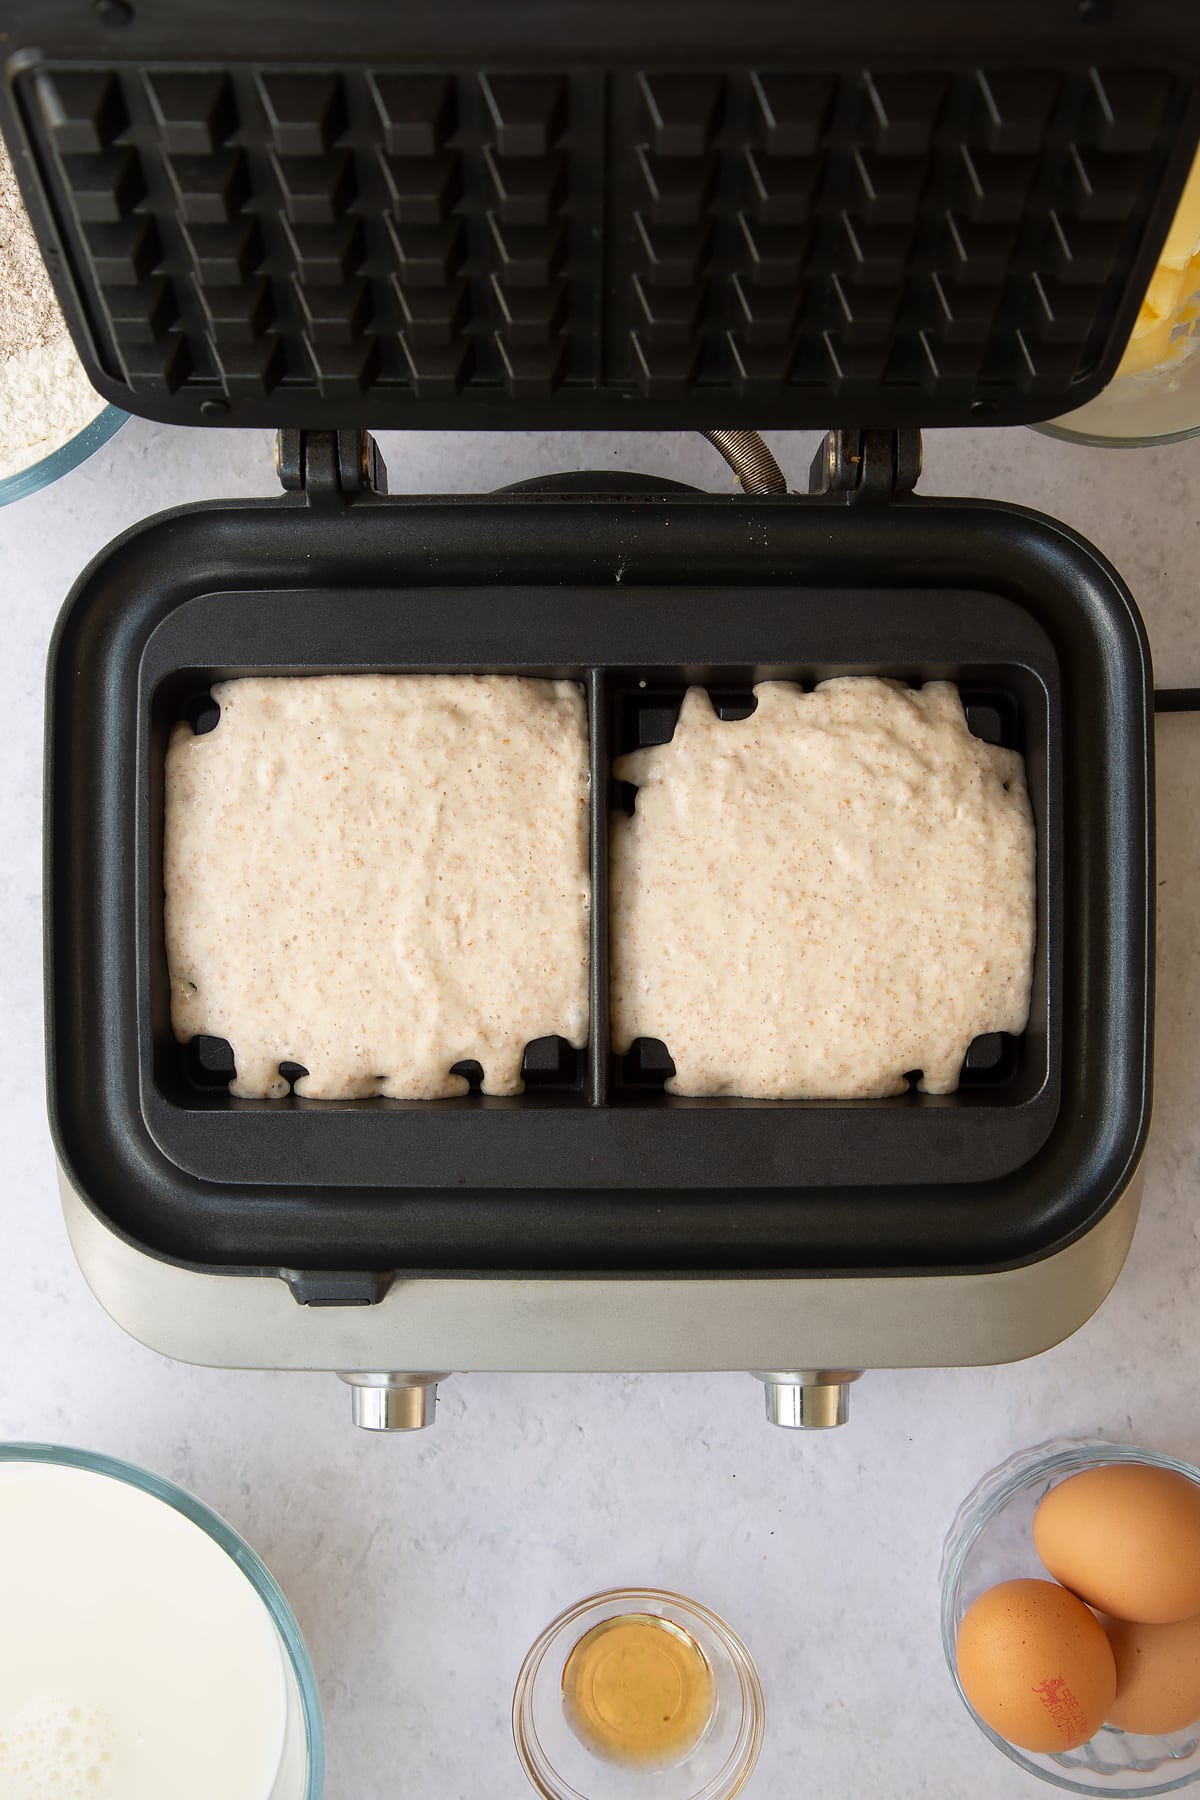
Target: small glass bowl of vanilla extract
{"x": 638, "y": 1694}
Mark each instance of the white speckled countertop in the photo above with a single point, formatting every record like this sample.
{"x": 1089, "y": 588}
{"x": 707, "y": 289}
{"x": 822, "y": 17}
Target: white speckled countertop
{"x": 422, "y": 1567}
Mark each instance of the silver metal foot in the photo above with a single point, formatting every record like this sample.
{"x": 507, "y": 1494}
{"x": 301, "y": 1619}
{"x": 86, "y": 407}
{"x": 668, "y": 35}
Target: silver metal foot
{"x": 807, "y": 1399}
{"x": 393, "y": 1402}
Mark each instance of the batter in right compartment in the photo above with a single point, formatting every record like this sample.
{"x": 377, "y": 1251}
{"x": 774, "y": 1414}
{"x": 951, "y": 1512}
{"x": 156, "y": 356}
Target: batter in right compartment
{"x": 818, "y": 900}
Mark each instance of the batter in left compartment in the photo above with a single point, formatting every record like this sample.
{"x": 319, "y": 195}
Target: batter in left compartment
{"x": 377, "y": 877}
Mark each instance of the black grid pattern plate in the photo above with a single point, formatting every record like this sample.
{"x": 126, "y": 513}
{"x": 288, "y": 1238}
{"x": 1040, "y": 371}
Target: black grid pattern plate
{"x": 372, "y": 245}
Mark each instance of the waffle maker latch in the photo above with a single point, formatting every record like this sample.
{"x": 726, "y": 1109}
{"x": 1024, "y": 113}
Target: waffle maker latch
{"x": 330, "y": 468}
{"x": 866, "y": 465}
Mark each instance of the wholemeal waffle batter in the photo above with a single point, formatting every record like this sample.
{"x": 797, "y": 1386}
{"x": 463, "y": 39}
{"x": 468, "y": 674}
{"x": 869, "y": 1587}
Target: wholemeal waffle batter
{"x": 45, "y": 397}
{"x": 378, "y": 876}
{"x": 819, "y": 899}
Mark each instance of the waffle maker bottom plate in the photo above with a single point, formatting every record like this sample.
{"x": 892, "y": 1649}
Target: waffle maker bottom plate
{"x": 595, "y": 1178}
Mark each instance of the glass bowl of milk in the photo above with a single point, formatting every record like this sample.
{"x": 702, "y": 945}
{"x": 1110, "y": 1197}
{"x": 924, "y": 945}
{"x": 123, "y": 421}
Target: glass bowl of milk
{"x": 145, "y": 1650}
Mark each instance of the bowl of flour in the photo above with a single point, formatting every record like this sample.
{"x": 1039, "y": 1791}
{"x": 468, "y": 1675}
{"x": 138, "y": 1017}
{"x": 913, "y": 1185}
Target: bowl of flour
{"x": 51, "y": 417}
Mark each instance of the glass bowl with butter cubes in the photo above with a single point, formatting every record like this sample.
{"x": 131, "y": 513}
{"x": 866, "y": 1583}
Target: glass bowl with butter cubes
{"x": 1154, "y": 397}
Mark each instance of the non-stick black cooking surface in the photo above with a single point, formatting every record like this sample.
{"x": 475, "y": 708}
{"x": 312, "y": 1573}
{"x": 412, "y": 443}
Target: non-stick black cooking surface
{"x": 583, "y": 213}
{"x": 596, "y": 1167}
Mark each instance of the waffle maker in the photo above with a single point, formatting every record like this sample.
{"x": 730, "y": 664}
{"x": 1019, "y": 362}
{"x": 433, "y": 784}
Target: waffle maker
{"x": 588, "y": 214}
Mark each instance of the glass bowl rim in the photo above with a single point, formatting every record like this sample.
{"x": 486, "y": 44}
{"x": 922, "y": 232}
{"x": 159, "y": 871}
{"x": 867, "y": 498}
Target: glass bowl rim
{"x": 743, "y": 1756}
{"x": 159, "y": 1487}
{"x": 991, "y": 1495}
{"x": 56, "y": 463}
{"x": 1063, "y": 434}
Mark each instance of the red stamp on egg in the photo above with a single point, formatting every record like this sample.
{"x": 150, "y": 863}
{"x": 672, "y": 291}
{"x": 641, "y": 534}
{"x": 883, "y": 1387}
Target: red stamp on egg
{"x": 1063, "y": 1707}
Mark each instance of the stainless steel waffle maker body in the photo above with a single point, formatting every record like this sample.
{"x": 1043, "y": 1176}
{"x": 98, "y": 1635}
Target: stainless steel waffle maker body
{"x": 674, "y": 216}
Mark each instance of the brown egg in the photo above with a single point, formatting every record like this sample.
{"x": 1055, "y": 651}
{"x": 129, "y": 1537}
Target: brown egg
{"x": 1158, "y": 1675}
{"x": 1126, "y": 1538}
{"x": 1036, "y": 1665}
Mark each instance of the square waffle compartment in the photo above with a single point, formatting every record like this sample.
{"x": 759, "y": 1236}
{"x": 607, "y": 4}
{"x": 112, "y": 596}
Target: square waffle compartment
{"x": 194, "y": 1076}
{"x": 595, "y": 1167}
{"x": 1005, "y": 704}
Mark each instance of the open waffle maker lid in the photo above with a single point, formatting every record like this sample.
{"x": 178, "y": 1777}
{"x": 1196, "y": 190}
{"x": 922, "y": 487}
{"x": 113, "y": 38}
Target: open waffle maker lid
{"x": 332, "y": 219}
{"x": 602, "y": 212}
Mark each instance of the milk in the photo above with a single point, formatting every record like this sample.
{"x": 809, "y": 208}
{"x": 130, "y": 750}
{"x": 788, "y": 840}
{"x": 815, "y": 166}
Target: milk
{"x": 137, "y": 1662}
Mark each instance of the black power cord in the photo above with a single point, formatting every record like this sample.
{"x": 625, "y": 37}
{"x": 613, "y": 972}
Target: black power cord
{"x": 1177, "y": 699}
